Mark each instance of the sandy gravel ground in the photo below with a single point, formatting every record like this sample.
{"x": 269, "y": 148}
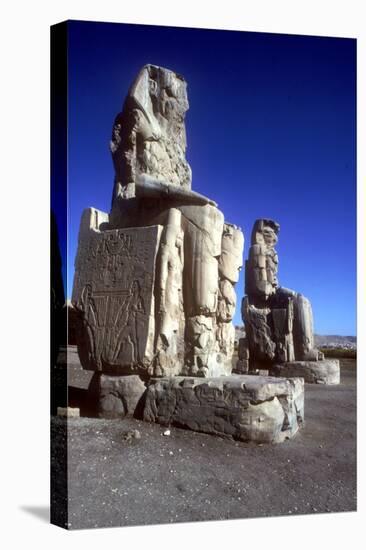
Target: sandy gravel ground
{"x": 189, "y": 476}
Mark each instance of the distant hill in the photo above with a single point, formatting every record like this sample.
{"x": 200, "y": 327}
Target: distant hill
{"x": 335, "y": 341}
{"x": 321, "y": 340}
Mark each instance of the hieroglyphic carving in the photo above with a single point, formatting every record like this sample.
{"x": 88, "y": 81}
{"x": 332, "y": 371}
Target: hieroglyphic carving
{"x": 113, "y": 291}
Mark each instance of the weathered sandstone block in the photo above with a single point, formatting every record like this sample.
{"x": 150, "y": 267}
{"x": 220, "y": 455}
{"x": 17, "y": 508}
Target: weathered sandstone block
{"x": 248, "y": 408}
{"x": 326, "y": 371}
{"x": 119, "y": 396}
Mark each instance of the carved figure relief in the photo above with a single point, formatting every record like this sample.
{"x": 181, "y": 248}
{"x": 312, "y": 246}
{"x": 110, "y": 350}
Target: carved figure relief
{"x": 113, "y": 292}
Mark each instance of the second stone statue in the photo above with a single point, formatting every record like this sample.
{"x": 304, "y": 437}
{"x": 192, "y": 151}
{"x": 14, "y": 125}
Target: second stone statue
{"x": 278, "y": 321}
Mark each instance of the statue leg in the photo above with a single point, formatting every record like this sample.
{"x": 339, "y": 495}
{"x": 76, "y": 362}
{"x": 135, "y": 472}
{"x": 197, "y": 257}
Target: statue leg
{"x": 203, "y": 226}
{"x": 303, "y": 330}
{"x": 302, "y": 326}
{"x": 169, "y": 285}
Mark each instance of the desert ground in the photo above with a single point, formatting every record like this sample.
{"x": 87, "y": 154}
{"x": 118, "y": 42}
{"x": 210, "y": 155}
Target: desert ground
{"x": 115, "y": 480}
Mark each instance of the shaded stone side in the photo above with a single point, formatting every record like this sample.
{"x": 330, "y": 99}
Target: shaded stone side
{"x": 248, "y": 408}
{"x": 118, "y": 396}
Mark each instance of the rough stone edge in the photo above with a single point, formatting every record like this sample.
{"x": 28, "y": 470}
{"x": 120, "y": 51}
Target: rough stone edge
{"x": 326, "y": 372}
{"x": 295, "y": 388}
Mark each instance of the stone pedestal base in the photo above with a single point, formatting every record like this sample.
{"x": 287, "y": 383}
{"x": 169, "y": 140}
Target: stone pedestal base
{"x": 313, "y": 372}
{"x": 248, "y": 408}
{"x": 117, "y": 396}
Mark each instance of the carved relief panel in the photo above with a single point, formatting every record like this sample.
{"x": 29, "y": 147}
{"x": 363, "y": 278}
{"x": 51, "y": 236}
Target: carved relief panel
{"x": 114, "y": 295}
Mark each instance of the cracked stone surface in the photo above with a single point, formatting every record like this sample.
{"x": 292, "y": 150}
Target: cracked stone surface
{"x": 247, "y": 408}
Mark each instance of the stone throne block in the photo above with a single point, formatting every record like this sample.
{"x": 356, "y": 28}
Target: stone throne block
{"x": 114, "y": 295}
{"x": 249, "y": 408}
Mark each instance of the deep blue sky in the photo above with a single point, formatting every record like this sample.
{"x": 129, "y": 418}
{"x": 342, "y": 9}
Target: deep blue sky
{"x": 271, "y": 133}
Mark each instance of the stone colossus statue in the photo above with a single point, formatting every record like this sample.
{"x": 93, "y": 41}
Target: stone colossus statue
{"x": 169, "y": 239}
{"x": 278, "y": 321}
